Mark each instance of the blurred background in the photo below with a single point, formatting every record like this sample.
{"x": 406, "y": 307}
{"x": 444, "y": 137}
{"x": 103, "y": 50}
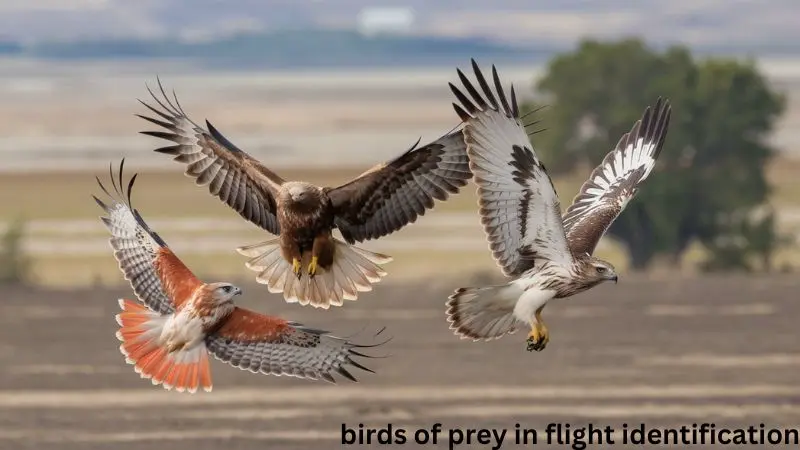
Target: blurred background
{"x": 702, "y": 326}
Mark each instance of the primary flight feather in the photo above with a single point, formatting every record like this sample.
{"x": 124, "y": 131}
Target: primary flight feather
{"x": 306, "y": 262}
{"x": 548, "y": 255}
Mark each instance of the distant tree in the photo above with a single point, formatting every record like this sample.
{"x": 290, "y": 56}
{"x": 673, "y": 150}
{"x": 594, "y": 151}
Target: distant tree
{"x": 712, "y": 165}
{"x": 15, "y": 267}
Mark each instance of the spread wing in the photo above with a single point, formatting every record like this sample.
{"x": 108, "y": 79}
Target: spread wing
{"x": 614, "y": 182}
{"x": 271, "y": 345}
{"x": 519, "y": 207}
{"x": 391, "y": 195}
{"x": 231, "y": 174}
{"x": 156, "y": 275}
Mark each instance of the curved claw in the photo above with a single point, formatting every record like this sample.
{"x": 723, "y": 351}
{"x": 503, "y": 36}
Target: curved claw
{"x": 538, "y": 338}
{"x": 296, "y": 267}
{"x": 312, "y": 266}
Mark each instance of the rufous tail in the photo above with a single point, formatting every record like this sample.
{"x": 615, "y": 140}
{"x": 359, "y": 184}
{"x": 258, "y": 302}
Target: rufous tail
{"x": 140, "y": 333}
{"x": 354, "y": 270}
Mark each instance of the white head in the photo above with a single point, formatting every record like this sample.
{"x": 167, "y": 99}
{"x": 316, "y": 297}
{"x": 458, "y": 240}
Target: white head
{"x": 599, "y": 271}
{"x": 224, "y": 292}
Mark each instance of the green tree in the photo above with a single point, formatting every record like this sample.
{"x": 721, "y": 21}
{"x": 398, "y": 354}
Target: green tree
{"x": 15, "y": 266}
{"x": 712, "y": 165}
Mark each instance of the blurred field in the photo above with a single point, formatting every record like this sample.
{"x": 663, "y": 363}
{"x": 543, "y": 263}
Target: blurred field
{"x": 60, "y": 126}
{"x": 68, "y": 244}
{"x": 666, "y": 349}
{"x": 665, "y": 352}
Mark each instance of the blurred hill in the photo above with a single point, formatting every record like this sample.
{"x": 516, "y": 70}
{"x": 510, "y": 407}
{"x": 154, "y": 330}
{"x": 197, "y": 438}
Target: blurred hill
{"x": 286, "y": 33}
{"x": 285, "y": 49}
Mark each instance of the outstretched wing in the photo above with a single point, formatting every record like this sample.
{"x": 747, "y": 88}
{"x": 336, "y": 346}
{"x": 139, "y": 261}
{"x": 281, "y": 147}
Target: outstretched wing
{"x": 519, "y": 207}
{"x": 160, "y": 280}
{"x": 614, "y": 182}
{"x": 231, "y": 175}
{"x": 271, "y": 345}
{"x": 391, "y": 195}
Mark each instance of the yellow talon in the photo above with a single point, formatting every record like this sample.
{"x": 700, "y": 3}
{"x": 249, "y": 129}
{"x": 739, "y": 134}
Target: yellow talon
{"x": 539, "y": 335}
{"x": 296, "y": 267}
{"x": 312, "y": 266}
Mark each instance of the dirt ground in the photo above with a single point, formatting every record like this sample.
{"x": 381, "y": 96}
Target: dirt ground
{"x": 664, "y": 353}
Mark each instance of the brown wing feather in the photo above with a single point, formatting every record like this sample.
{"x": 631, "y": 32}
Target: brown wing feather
{"x": 273, "y": 346}
{"x": 615, "y": 181}
{"x": 249, "y": 326}
{"x": 178, "y": 282}
{"x": 231, "y": 174}
{"x": 391, "y": 195}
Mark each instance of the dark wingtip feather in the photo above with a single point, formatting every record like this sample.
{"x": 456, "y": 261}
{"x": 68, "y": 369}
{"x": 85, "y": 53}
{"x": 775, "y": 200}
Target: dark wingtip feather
{"x": 500, "y": 93}
{"x": 414, "y": 146}
{"x": 477, "y": 97}
{"x": 342, "y": 371}
{"x": 328, "y": 377}
{"x": 359, "y": 365}
{"x": 163, "y": 135}
{"x": 123, "y": 195}
{"x": 100, "y": 203}
{"x": 467, "y": 104}
{"x": 160, "y": 123}
{"x": 221, "y": 139}
{"x": 484, "y": 85}
{"x": 463, "y": 115}
{"x": 514, "y": 105}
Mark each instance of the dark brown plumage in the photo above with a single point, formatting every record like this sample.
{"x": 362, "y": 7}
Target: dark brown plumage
{"x": 381, "y": 201}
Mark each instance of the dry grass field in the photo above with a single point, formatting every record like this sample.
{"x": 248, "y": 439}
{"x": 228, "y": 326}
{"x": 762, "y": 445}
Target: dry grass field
{"x": 666, "y": 349}
{"x": 664, "y": 353}
{"x": 68, "y": 243}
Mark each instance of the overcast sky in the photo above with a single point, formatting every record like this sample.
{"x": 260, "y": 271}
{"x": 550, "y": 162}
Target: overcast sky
{"x": 745, "y": 23}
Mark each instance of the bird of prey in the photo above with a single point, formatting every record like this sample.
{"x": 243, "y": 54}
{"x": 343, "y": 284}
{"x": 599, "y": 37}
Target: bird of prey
{"x": 306, "y": 262}
{"x": 167, "y": 337}
{"x": 548, "y": 255}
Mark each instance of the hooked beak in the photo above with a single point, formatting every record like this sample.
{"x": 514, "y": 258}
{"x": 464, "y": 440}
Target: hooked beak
{"x": 238, "y": 291}
{"x": 615, "y": 279}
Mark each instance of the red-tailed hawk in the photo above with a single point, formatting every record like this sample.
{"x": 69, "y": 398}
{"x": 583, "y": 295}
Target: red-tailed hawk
{"x": 181, "y": 319}
{"x": 549, "y": 255}
{"x": 306, "y": 262}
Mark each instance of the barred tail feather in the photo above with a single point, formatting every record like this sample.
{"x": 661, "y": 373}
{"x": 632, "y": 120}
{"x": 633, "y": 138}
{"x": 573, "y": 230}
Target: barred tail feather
{"x": 483, "y": 313}
{"x": 182, "y": 370}
{"x": 354, "y": 270}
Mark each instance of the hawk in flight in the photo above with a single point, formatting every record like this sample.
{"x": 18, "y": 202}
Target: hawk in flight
{"x": 549, "y": 255}
{"x": 305, "y": 261}
{"x": 181, "y": 319}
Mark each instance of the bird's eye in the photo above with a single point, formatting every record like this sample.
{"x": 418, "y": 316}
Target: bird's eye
{"x": 226, "y": 288}
{"x": 600, "y": 269}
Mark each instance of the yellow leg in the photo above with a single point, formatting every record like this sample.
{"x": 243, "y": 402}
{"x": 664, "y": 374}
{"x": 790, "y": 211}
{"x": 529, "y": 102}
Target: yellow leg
{"x": 539, "y": 335}
{"x": 312, "y": 266}
{"x": 296, "y": 267}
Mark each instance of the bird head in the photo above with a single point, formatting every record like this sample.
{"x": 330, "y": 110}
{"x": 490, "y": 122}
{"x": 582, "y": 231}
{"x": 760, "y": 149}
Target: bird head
{"x": 299, "y": 192}
{"x": 600, "y": 271}
{"x": 224, "y": 292}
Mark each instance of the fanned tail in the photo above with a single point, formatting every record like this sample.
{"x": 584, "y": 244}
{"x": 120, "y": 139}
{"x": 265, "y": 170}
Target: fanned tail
{"x": 140, "y": 331}
{"x": 483, "y": 313}
{"x": 354, "y": 270}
